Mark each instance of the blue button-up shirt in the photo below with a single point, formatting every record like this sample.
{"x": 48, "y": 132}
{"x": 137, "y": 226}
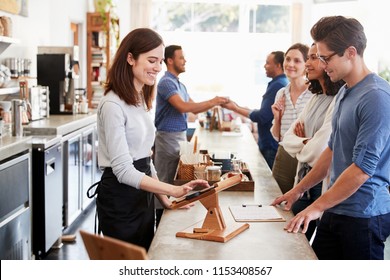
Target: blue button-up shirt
{"x": 264, "y": 116}
{"x": 167, "y": 117}
{"x": 361, "y": 135}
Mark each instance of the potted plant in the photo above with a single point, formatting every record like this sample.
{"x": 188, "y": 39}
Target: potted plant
{"x": 103, "y": 7}
{"x": 385, "y": 74}
{"x": 107, "y": 6}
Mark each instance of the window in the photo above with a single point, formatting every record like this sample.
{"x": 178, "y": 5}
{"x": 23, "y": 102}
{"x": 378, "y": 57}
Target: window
{"x": 220, "y": 17}
{"x": 195, "y": 17}
{"x": 270, "y": 19}
{"x": 231, "y": 62}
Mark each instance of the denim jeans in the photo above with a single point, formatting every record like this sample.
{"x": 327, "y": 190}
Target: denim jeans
{"x": 306, "y": 200}
{"x": 341, "y": 237}
{"x": 269, "y": 156}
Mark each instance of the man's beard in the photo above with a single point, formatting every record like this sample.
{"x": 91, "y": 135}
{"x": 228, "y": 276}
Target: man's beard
{"x": 179, "y": 69}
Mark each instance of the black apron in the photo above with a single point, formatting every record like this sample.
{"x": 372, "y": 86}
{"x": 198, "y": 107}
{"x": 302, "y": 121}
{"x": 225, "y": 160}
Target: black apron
{"x": 284, "y": 169}
{"x": 124, "y": 212}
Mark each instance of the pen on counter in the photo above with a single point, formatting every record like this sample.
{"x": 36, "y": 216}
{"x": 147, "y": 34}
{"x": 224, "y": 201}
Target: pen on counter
{"x": 258, "y": 205}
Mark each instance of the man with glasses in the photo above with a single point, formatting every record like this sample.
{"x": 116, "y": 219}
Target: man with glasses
{"x": 355, "y": 210}
{"x": 326, "y": 59}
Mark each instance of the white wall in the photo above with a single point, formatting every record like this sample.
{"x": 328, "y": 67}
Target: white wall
{"x": 374, "y": 19}
{"x": 48, "y": 24}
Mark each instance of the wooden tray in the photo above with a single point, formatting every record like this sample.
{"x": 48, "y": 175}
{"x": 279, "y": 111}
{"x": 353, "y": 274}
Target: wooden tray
{"x": 243, "y": 186}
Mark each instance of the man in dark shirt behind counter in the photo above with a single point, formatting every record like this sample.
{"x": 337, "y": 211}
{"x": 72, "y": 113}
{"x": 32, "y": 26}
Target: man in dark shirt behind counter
{"x": 263, "y": 117}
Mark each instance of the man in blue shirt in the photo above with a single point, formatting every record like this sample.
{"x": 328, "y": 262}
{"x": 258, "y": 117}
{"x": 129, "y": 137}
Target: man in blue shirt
{"x": 264, "y": 116}
{"x": 172, "y": 105}
{"x": 356, "y": 208}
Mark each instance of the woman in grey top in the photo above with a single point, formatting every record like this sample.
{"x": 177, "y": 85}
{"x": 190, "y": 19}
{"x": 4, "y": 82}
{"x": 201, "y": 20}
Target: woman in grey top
{"x": 126, "y": 134}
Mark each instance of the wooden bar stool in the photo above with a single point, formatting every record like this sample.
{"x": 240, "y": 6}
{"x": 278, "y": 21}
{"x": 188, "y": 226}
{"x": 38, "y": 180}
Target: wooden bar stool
{"x": 108, "y": 248}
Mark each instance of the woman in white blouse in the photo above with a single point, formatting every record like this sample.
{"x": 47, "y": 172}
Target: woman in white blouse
{"x": 289, "y": 103}
{"x": 308, "y": 136}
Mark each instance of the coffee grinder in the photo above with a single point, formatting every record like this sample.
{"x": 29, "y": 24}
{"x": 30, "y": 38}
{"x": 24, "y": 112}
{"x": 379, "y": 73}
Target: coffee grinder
{"x": 58, "y": 69}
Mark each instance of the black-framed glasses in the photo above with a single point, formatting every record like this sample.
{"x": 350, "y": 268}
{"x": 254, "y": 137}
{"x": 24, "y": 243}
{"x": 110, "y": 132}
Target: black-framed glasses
{"x": 326, "y": 59}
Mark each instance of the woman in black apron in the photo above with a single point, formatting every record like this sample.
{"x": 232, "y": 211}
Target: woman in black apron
{"x": 124, "y": 212}
{"x": 126, "y": 131}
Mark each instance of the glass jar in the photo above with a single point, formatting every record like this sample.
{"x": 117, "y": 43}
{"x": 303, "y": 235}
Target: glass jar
{"x": 236, "y": 170}
{"x": 7, "y": 117}
{"x": 200, "y": 172}
{"x": 214, "y": 173}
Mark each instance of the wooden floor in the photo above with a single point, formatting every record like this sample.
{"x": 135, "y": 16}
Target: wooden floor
{"x": 76, "y": 250}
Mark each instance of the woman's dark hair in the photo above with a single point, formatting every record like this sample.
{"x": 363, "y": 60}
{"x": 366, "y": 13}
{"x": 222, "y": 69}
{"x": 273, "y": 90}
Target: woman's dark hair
{"x": 120, "y": 77}
{"x": 331, "y": 87}
{"x": 339, "y": 33}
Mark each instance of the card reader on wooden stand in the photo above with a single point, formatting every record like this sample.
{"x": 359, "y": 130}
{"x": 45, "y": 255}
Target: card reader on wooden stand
{"x": 214, "y": 227}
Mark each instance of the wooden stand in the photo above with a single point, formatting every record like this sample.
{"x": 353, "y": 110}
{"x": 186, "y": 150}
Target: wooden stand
{"x": 216, "y": 121}
{"x": 214, "y": 227}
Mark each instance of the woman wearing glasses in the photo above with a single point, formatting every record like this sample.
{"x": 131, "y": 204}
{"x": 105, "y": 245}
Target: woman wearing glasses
{"x": 289, "y": 103}
{"x": 308, "y": 136}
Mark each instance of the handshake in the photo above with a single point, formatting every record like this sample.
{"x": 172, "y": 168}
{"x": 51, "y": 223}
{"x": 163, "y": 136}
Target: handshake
{"x": 226, "y": 102}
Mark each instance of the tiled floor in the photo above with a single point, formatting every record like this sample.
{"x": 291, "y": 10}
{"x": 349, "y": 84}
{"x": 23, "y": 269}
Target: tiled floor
{"x": 76, "y": 250}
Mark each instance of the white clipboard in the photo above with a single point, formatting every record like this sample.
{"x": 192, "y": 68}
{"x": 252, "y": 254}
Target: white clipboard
{"x": 255, "y": 213}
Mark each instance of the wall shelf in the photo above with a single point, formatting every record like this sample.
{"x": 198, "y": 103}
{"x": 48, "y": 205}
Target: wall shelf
{"x": 5, "y": 42}
{"x": 9, "y": 90}
{"x": 101, "y": 45}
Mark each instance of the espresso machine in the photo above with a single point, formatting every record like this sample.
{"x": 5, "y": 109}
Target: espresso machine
{"x": 58, "y": 69}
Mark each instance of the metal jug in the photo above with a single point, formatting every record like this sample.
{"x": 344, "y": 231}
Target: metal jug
{"x": 17, "y": 108}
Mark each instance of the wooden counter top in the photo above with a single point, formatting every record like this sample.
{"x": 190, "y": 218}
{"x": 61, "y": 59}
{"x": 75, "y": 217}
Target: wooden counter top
{"x": 263, "y": 240}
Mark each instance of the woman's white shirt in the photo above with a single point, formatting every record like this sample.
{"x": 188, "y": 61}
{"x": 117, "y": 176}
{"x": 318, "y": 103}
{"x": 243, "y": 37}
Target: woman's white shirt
{"x": 316, "y": 117}
{"x": 291, "y": 111}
